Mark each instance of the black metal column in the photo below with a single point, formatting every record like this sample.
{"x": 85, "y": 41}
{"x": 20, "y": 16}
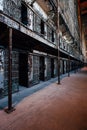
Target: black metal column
{"x": 58, "y": 40}
{"x": 10, "y": 108}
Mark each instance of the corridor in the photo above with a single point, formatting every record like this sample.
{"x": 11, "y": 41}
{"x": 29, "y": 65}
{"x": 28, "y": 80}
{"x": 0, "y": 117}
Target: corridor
{"x": 55, "y": 107}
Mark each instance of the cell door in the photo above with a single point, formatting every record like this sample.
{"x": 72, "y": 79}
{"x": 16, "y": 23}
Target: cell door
{"x": 42, "y": 68}
{"x": 52, "y": 68}
{"x": 48, "y": 68}
{"x": 35, "y": 69}
{"x": 63, "y": 68}
{"x": 23, "y": 69}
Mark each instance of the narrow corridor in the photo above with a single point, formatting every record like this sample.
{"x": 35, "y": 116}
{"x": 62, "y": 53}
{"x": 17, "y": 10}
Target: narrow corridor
{"x": 56, "y": 107}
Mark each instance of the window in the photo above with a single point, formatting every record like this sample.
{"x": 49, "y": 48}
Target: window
{"x": 42, "y": 27}
{"x": 52, "y": 36}
{"x": 24, "y": 19}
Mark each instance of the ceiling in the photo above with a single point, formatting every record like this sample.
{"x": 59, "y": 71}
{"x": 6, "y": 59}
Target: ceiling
{"x": 83, "y": 8}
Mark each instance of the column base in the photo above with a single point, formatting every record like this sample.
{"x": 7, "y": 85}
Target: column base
{"x": 9, "y": 110}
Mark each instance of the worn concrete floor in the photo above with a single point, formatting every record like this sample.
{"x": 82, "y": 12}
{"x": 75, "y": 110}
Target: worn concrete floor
{"x": 56, "y": 107}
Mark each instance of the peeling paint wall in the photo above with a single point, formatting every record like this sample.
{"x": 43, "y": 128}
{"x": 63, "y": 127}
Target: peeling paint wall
{"x": 13, "y": 8}
{"x": 1, "y": 5}
{"x": 30, "y": 19}
{"x": 15, "y": 71}
{"x": 28, "y": 1}
{"x": 30, "y": 69}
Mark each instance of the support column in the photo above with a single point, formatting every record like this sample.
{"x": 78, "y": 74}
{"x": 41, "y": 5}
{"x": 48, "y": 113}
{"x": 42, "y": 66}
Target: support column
{"x": 10, "y": 108}
{"x": 58, "y": 67}
{"x": 68, "y": 66}
{"x": 58, "y": 41}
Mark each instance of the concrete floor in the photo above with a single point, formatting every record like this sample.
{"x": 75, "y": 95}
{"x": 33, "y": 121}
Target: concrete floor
{"x": 56, "y": 107}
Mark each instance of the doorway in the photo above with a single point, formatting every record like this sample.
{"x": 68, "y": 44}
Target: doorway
{"x": 24, "y": 18}
{"x": 42, "y": 69}
{"x": 63, "y": 67}
{"x": 23, "y": 69}
{"x": 52, "y": 68}
{"x": 42, "y": 27}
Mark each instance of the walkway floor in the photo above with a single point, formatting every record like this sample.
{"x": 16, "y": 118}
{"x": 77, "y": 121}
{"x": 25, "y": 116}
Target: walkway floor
{"x": 55, "y": 107}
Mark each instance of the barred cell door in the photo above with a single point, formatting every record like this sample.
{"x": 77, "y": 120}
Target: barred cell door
{"x": 35, "y": 69}
{"x": 42, "y": 69}
{"x": 63, "y": 68}
{"x": 52, "y": 68}
{"x": 48, "y": 68}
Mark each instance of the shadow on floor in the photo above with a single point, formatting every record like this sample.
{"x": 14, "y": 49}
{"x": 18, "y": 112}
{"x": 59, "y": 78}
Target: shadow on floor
{"x": 24, "y": 92}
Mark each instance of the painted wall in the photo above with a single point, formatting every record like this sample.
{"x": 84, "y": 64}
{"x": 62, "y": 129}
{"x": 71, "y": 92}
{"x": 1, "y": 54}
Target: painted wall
{"x": 1, "y": 5}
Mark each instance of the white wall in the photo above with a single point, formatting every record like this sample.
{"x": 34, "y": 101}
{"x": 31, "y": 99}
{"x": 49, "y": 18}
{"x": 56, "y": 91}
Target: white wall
{"x": 39, "y": 10}
{"x": 1, "y": 5}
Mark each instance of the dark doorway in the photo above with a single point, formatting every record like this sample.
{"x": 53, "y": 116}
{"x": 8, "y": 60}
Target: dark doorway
{"x": 23, "y": 69}
{"x": 52, "y": 36}
{"x": 52, "y": 68}
{"x": 63, "y": 68}
{"x": 24, "y": 19}
{"x": 67, "y": 66}
{"x": 42, "y": 27}
{"x": 42, "y": 68}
